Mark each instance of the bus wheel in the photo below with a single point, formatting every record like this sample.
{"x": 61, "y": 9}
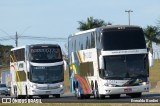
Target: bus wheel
{"x": 96, "y": 92}
{"x": 101, "y": 96}
{"x": 135, "y": 95}
{"x": 44, "y": 96}
{"x": 57, "y": 95}
{"x": 30, "y": 96}
{"x": 87, "y": 96}
{"x": 27, "y": 96}
{"x": 76, "y": 89}
{"x": 97, "y": 95}
{"x": 76, "y": 92}
{"x": 115, "y": 96}
{"x": 79, "y": 95}
{"x": 74, "y": 85}
{"x": 92, "y": 87}
{"x": 15, "y": 92}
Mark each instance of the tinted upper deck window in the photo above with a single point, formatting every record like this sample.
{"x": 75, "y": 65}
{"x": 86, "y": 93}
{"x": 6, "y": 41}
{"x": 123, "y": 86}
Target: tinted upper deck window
{"x": 123, "y": 39}
{"x": 45, "y": 54}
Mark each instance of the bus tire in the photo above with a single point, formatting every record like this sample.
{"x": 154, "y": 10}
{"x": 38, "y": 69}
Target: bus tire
{"x": 135, "y": 95}
{"x": 87, "y": 96}
{"x": 74, "y": 85}
{"x": 92, "y": 87}
{"x": 76, "y": 89}
{"x": 57, "y": 95}
{"x": 27, "y": 96}
{"x": 21, "y": 96}
{"x": 79, "y": 95}
{"x": 96, "y": 92}
{"x": 15, "y": 92}
{"x": 44, "y": 96}
{"x": 30, "y": 96}
{"x": 114, "y": 96}
{"x": 76, "y": 92}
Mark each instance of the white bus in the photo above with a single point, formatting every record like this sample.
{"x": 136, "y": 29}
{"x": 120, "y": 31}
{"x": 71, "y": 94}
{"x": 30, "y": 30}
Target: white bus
{"x": 37, "y": 70}
{"x": 111, "y": 60}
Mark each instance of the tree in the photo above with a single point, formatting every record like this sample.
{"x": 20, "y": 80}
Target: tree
{"x": 91, "y": 23}
{"x": 4, "y": 54}
{"x": 158, "y": 23}
{"x": 152, "y": 34}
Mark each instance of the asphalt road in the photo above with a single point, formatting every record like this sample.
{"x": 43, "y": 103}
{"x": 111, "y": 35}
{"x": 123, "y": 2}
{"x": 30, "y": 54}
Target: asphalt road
{"x": 69, "y": 98}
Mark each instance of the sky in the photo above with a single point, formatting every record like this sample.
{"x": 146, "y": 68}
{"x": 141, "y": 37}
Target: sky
{"x": 59, "y": 18}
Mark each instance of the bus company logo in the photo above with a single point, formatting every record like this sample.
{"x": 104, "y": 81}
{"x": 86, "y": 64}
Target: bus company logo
{"x": 13, "y": 100}
{"x": 125, "y": 51}
{"x": 6, "y": 100}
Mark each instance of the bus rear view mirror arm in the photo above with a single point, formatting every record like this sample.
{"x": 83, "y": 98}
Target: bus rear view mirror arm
{"x": 101, "y": 62}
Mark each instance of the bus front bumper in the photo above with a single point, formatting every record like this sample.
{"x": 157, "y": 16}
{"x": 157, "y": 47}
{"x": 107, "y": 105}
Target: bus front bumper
{"x": 46, "y": 92}
{"x": 124, "y": 90}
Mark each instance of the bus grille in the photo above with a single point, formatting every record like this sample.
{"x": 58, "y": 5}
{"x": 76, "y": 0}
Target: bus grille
{"x": 46, "y": 88}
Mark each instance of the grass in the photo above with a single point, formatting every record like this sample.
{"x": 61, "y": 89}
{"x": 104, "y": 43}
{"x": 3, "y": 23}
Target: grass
{"x": 155, "y": 73}
{"x": 66, "y": 81}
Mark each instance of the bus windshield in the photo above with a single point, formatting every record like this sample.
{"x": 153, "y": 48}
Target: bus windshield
{"x": 51, "y": 74}
{"x": 126, "y": 66}
{"x": 45, "y": 54}
{"x": 123, "y": 39}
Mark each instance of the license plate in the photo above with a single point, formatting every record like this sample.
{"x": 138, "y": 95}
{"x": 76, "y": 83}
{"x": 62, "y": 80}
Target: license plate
{"x": 128, "y": 90}
{"x": 48, "y": 92}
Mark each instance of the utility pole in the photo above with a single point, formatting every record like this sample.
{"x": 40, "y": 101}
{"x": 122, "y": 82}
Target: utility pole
{"x": 128, "y": 15}
{"x": 16, "y": 40}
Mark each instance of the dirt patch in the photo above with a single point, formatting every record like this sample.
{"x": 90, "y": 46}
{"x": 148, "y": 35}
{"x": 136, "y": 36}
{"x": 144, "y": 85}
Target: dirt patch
{"x": 156, "y": 88}
{"x": 153, "y": 85}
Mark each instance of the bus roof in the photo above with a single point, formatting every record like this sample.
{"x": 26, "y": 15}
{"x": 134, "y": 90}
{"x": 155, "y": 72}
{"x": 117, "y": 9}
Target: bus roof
{"x": 106, "y": 27}
{"x": 86, "y": 31}
{"x": 120, "y": 27}
{"x": 20, "y": 47}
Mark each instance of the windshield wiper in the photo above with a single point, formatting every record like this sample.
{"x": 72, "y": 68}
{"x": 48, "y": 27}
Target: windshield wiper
{"x": 138, "y": 75}
{"x": 114, "y": 77}
{"x": 41, "y": 82}
{"x": 141, "y": 75}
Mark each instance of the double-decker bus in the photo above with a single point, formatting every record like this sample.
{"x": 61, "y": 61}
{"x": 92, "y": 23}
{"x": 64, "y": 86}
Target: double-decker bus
{"x": 110, "y": 60}
{"x": 37, "y": 70}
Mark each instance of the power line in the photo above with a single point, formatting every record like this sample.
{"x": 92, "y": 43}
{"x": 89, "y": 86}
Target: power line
{"x": 10, "y": 36}
{"x": 41, "y": 37}
{"x": 19, "y": 36}
{"x": 5, "y": 39}
{"x": 34, "y": 38}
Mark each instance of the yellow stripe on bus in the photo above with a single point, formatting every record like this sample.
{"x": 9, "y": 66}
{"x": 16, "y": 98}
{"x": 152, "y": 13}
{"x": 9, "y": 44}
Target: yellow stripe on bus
{"x": 17, "y": 75}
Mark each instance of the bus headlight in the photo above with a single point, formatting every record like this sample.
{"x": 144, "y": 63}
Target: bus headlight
{"x": 110, "y": 85}
{"x": 61, "y": 85}
{"x": 34, "y": 86}
{"x": 144, "y": 83}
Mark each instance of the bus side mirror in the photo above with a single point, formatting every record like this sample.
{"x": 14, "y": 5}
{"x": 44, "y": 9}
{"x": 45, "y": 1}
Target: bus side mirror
{"x": 150, "y": 58}
{"x": 101, "y": 62}
{"x": 65, "y": 65}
